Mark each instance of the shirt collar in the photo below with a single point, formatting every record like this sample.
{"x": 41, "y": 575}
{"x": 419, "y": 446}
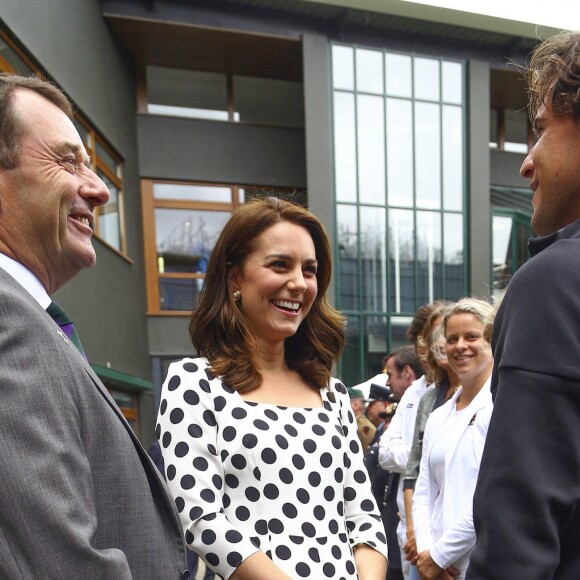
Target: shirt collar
{"x": 26, "y": 279}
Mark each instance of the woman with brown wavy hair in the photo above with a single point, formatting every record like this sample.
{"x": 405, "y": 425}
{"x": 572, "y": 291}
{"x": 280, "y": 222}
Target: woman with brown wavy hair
{"x": 260, "y": 444}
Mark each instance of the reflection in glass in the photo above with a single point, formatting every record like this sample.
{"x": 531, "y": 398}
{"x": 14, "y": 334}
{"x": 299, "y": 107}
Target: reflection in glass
{"x": 188, "y": 192}
{"x": 185, "y": 238}
{"x": 454, "y": 256}
{"x": 400, "y": 152}
{"x": 373, "y": 251}
{"x": 371, "y": 149}
{"x": 375, "y": 344}
{"x": 452, "y": 82}
{"x": 179, "y": 293}
{"x": 344, "y": 147}
{"x": 429, "y": 263}
{"x": 369, "y": 71}
{"x": 401, "y": 261}
{"x": 342, "y": 67}
{"x": 398, "y": 75}
{"x": 427, "y": 155}
{"x": 399, "y": 325}
{"x": 351, "y": 371}
{"x": 502, "y": 251}
{"x": 108, "y": 215}
{"x": 426, "y": 77}
{"x": 347, "y": 233}
{"x": 452, "y": 157}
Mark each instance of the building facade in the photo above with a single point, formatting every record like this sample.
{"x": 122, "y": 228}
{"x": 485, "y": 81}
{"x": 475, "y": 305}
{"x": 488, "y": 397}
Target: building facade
{"x": 401, "y": 127}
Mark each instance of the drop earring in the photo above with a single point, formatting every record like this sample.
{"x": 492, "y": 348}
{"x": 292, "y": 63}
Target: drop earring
{"x": 237, "y": 296}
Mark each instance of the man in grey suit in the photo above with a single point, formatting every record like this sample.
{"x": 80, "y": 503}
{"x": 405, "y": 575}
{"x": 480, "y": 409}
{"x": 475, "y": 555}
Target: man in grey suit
{"x": 79, "y": 496}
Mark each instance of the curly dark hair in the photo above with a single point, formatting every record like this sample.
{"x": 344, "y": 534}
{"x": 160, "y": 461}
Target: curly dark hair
{"x": 218, "y": 329}
{"x": 553, "y": 75}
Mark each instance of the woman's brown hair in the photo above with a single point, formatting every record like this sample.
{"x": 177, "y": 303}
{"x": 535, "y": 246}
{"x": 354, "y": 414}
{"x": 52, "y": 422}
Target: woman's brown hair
{"x": 217, "y": 328}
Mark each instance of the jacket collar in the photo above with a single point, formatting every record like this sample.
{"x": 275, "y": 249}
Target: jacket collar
{"x": 536, "y": 245}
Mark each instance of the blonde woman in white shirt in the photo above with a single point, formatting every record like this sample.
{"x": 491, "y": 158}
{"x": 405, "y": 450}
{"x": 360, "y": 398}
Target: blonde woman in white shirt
{"x": 452, "y": 448}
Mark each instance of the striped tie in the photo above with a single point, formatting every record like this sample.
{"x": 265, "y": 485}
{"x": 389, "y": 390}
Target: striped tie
{"x": 66, "y": 324}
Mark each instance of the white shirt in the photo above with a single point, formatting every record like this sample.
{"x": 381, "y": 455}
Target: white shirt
{"x": 26, "y": 279}
{"x": 395, "y": 443}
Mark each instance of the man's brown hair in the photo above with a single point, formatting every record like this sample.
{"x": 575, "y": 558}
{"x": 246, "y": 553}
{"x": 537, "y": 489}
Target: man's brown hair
{"x": 11, "y": 126}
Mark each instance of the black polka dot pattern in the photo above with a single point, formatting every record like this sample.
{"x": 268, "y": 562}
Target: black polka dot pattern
{"x": 247, "y": 476}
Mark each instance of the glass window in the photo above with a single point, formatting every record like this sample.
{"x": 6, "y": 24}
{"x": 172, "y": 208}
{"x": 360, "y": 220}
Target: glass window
{"x": 428, "y": 155}
{"x": 345, "y": 147}
{"x": 454, "y": 255}
{"x": 179, "y": 294}
{"x": 190, "y": 192}
{"x": 375, "y": 344}
{"x": 187, "y": 93}
{"x": 401, "y": 248}
{"x": 185, "y": 238}
{"x": 452, "y": 157}
{"x": 399, "y": 325}
{"x": 108, "y": 226}
{"x": 398, "y": 75}
{"x": 430, "y": 274}
{"x": 426, "y": 79}
{"x": 373, "y": 251}
{"x": 268, "y": 101}
{"x": 13, "y": 59}
{"x": 516, "y": 131}
{"x": 351, "y": 358}
{"x": 493, "y": 128}
{"x": 452, "y": 82}
{"x": 502, "y": 250}
{"x": 369, "y": 71}
{"x": 342, "y": 67}
{"x": 371, "y": 149}
{"x": 347, "y": 234}
{"x": 400, "y": 175}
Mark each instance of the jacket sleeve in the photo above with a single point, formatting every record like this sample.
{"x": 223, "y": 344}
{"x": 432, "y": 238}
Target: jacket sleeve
{"x": 422, "y": 496}
{"x": 414, "y": 462}
{"x": 194, "y": 468}
{"x": 48, "y": 515}
{"x": 393, "y": 450}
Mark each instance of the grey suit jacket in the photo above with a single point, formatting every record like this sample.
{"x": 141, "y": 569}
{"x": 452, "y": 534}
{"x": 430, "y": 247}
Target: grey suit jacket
{"x": 79, "y": 496}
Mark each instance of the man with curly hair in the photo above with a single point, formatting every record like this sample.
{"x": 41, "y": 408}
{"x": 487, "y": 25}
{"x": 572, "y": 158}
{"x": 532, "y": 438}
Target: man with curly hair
{"x": 527, "y": 502}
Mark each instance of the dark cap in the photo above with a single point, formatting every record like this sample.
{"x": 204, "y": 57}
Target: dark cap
{"x": 378, "y": 393}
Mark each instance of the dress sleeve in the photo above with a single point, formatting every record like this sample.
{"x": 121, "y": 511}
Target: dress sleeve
{"x": 187, "y": 431}
{"x": 364, "y": 524}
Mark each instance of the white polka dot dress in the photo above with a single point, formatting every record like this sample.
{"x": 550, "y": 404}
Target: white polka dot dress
{"x": 251, "y": 476}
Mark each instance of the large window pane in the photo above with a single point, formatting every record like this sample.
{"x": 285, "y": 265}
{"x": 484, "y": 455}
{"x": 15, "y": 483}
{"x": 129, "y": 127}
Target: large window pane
{"x": 430, "y": 268}
{"x": 398, "y": 75}
{"x": 452, "y": 82}
{"x": 352, "y": 373}
{"x": 400, "y": 152}
{"x": 502, "y": 251}
{"x": 516, "y": 131}
{"x": 428, "y": 155}
{"x": 179, "y": 293}
{"x": 373, "y": 249}
{"x": 188, "y": 192}
{"x": 187, "y": 93}
{"x": 19, "y": 66}
{"x": 268, "y": 101}
{"x": 369, "y": 71}
{"x": 343, "y": 67}
{"x": 452, "y": 157}
{"x": 185, "y": 238}
{"x": 399, "y": 325}
{"x": 426, "y": 79}
{"x": 347, "y": 231}
{"x": 454, "y": 255}
{"x": 344, "y": 147}
{"x": 401, "y": 247}
{"x": 371, "y": 149}
{"x": 375, "y": 344}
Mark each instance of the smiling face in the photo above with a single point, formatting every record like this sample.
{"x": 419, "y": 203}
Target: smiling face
{"x": 467, "y": 353}
{"x": 553, "y": 168}
{"x": 278, "y": 282}
{"x": 47, "y": 201}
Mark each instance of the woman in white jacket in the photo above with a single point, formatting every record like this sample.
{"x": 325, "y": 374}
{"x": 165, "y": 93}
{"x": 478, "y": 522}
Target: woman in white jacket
{"x": 452, "y": 447}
